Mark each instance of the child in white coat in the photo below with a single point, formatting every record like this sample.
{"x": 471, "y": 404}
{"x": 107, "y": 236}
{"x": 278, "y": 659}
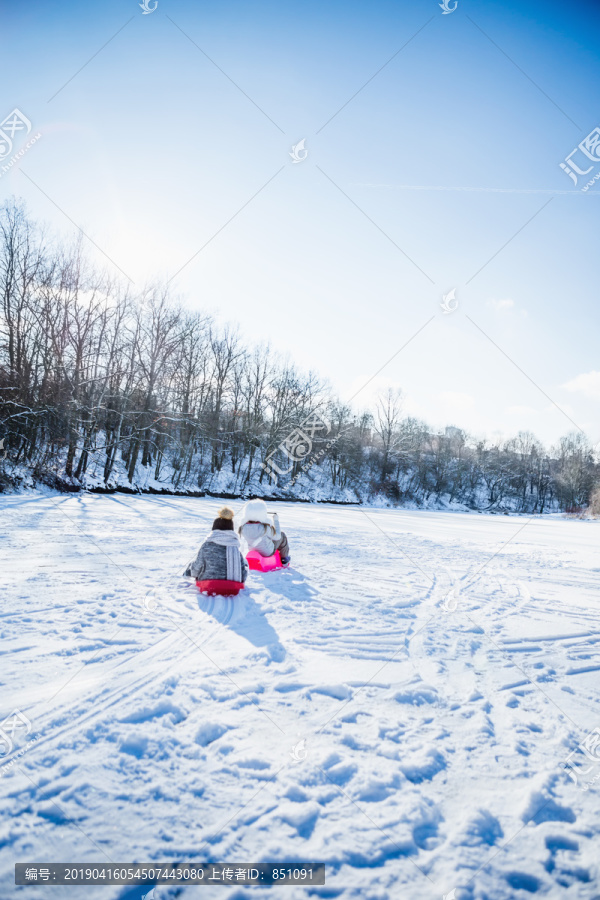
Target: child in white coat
{"x": 261, "y": 530}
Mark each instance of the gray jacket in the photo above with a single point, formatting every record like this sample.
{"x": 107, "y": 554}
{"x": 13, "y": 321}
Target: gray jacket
{"x": 220, "y": 558}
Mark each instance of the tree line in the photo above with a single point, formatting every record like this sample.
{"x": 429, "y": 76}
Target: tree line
{"x": 101, "y": 385}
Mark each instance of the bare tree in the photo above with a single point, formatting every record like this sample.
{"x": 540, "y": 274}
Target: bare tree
{"x": 387, "y": 418}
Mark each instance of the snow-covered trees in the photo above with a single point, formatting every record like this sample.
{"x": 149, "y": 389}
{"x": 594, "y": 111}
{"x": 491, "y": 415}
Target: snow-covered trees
{"x": 97, "y": 381}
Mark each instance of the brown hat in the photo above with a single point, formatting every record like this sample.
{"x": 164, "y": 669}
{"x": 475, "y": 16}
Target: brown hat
{"x": 224, "y": 520}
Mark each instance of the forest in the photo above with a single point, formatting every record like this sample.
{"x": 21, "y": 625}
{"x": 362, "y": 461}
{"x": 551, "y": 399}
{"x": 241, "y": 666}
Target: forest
{"x": 104, "y": 387}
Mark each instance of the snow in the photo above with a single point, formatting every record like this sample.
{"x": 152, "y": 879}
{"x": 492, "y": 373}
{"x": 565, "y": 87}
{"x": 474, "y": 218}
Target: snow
{"x": 397, "y": 704}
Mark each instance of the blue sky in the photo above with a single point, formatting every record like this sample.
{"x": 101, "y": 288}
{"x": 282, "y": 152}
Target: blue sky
{"x": 176, "y": 135}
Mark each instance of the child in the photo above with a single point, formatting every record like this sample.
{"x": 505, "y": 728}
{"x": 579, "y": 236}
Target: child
{"x": 261, "y": 531}
{"x": 220, "y": 557}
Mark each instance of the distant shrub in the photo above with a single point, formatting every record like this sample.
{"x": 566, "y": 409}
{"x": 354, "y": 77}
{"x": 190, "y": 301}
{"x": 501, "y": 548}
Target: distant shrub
{"x": 594, "y": 507}
{"x": 577, "y": 511}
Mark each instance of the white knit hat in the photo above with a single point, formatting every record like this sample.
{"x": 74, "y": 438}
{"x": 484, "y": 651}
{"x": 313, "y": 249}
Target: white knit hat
{"x": 254, "y": 511}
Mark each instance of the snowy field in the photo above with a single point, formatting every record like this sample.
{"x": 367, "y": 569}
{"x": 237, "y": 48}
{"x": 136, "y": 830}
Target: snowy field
{"x": 397, "y": 704}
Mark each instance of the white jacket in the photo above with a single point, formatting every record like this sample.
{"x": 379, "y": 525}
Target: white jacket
{"x": 259, "y": 529}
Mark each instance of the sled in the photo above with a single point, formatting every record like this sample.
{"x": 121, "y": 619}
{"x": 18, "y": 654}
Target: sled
{"x": 264, "y": 563}
{"x": 220, "y": 587}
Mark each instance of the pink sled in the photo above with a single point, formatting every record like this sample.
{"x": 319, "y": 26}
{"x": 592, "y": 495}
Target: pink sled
{"x": 264, "y": 563}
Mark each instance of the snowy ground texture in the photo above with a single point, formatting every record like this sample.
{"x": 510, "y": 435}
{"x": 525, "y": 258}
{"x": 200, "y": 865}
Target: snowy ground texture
{"x": 432, "y": 671}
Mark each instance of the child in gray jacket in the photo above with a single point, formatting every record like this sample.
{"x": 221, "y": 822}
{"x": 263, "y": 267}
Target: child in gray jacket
{"x": 220, "y": 557}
